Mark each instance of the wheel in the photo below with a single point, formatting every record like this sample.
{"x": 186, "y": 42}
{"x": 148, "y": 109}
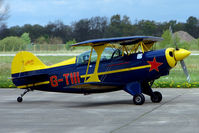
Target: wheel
{"x": 157, "y": 97}
{"x": 19, "y": 99}
{"x": 139, "y": 99}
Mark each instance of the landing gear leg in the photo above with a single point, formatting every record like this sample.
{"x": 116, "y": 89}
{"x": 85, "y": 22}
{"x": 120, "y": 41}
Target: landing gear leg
{"x": 156, "y": 96}
{"x": 20, "y": 98}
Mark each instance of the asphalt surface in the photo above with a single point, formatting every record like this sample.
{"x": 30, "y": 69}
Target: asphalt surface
{"x": 99, "y": 113}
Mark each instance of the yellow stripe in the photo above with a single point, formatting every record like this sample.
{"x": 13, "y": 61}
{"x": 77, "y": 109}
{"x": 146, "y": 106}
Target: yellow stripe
{"x": 36, "y": 84}
{"x": 63, "y": 63}
{"x": 120, "y": 70}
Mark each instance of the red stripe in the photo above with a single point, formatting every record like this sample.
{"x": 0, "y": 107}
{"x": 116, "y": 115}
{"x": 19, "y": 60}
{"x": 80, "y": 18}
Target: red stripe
{"x": 118, "y": 64}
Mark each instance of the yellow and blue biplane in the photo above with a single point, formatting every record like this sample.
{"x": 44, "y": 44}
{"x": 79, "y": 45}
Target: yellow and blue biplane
{"x": 112, "y": 64}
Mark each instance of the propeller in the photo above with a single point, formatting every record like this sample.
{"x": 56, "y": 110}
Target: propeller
{"x": 186, "y": 53}
{"x": 185, "y": 70}
{"x": 176, "y": 43}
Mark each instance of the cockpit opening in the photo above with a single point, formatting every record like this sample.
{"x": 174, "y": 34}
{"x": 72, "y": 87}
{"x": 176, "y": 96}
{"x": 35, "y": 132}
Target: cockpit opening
{"x": 108, "y": 54}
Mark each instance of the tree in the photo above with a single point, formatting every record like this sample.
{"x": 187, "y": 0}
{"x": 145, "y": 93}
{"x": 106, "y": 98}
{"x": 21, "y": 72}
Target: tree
{"x": 179, "y": 27}
{"x": 15, "y": 31}
{"x": 192, "y": 26}
{"x": 4, "y": 31}
{"x": 120, "y": 26}
{"x": 147, "y": 27}
{"x": 168, "y": 41}
{"x": 98, "y": 26}
{"x": 12, "y": 44}
{"x": 58, "y": 29}
{"x": 41, "y": 40}
{"x": 25, "y": 37}
{"x": 81, "y": 30}
{"x": 69, "y": 43}
{"x": 126, "y": 26}
{"x": 34, "y": 31}
{"x": 114, "y": 29}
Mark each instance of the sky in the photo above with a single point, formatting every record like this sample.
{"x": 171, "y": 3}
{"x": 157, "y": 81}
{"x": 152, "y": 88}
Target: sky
{"x": 68, "y": 11}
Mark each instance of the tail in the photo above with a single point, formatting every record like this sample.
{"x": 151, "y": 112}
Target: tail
{"x": 25, "y": 61}
{"x": 24, "y": 70}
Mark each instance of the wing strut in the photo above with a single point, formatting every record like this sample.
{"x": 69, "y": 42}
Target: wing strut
{"x": 94, "y": 77}
{"x": 88, "y": 63}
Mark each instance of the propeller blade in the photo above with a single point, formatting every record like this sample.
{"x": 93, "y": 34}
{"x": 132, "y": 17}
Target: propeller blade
{"x": 185, "y": 70}
{"x": 175, "y": 42}
{"x": 176, "y": 46}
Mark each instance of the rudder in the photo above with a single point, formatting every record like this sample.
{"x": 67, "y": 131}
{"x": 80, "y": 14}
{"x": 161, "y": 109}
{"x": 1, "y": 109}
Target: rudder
{"x": 25, "y": 61}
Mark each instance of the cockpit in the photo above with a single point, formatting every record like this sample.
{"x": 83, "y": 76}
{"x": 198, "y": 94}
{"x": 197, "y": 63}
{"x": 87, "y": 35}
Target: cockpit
{"x": 108, "y": 54}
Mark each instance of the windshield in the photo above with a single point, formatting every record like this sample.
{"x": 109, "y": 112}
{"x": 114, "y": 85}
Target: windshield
{"x": 108, "y": 54}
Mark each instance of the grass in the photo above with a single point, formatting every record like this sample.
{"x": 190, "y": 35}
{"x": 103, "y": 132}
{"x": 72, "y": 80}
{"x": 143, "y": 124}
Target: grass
{"x": 176, "y": 78}
{"x": 46, "y": 51}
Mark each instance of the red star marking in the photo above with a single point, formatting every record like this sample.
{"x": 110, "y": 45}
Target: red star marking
{"x": 154, "y": 65}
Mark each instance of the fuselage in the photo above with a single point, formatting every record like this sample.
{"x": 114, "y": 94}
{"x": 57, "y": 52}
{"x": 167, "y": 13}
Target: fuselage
{"x": 113, "y": 73}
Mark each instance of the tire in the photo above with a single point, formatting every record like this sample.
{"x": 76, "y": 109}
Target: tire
{"x": 19, "y": 99}
{"x": 139, "y": 99}
{"x": 157, "y": 97}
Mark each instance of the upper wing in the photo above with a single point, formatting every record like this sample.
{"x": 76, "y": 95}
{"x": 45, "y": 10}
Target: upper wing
{"x": 130, "y": 40}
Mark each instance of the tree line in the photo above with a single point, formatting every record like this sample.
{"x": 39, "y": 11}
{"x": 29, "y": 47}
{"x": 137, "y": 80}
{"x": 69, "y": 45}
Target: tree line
{"x": 98, "y": 27}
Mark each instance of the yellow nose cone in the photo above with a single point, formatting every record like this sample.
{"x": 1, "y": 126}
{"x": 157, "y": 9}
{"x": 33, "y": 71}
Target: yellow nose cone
{"x": 181, "y": 54}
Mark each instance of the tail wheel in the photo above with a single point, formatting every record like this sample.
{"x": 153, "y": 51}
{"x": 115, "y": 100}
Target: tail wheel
{"x": 139, "y": 99}
{"x": 19, "y": 99}
{"x": 157, "y": 97}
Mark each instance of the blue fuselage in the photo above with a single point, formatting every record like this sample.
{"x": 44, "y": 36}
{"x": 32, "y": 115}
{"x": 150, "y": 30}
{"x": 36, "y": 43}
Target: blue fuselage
{"x": 114, "y": 73}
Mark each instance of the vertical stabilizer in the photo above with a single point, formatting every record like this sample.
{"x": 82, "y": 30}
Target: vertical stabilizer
{"x": 25, "y": 61}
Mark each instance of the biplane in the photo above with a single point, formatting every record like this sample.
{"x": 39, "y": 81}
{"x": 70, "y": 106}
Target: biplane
{"x": 112, "y": 64}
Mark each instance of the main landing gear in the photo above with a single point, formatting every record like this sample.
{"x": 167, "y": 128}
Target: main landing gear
{"x": 138, "y": 99}
{"x": 20, "y": 98}
{"x": 156, "y": 97}
{"x": 137, "y": 89}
